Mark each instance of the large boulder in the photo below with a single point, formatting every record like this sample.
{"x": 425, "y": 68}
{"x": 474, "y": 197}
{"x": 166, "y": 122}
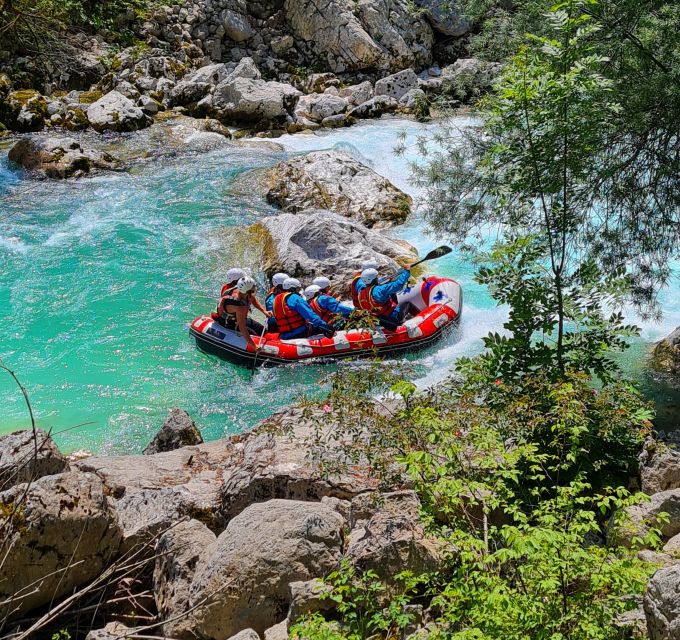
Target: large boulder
{"x": 351, "y": 35}
{"x": 642, "y": 516}
{"x": 115, "y": 112}
{"x": 468, "y": 78}
{"x": 392, "y": 539}
{"x": 25, "y": 457}
{"x": 24, "y": 110}
{"x": 662, "y": 604}
{"x": 356, "y": 94}
{"x": 59, "y": 157}
{"x": 666, "y": 354}
{"x": 244, "y": 576}
{"x": 252, "y": 100}
{"x": 285, "y": 465}
{"x": 397, "y": 85}
{"x": 375, "y": 107}
{"x": 336, "y": 181}
{"x": 445, "y": 17}
{"x": 178, "y": 430}
{"x": 317, "y": 242}
{"x": 63, "y": 533}
{"x": 177, "y": 553}
{"x": 659, "y": 467}
{"x": 307, "y": 597}
{"x": 317, "y": 106}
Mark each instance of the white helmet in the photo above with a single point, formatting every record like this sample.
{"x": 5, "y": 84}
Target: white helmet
{"x": 371, "y": 263}
{"x": 369, "y": 275}
{"x": 291, "y": 283}
{"x": 322, "y": 282}
{"x": 245, "y": 284}
{"x": 235, "y": 274}
{"x": 311, "y": 291}
{"x": 279, "y": 278}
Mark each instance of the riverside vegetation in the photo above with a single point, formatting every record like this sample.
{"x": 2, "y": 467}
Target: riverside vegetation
{"x": 522, "y": 472}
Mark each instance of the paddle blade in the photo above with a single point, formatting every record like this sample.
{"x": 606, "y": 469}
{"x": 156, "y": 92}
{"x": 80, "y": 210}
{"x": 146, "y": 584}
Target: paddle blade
{"x": 438, "y": 252}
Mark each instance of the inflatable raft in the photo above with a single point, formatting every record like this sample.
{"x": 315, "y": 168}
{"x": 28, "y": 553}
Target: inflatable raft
{"x": 440, "y": 302}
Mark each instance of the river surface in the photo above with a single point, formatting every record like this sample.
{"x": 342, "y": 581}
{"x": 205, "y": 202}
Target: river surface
{"x": 100, "y": 278}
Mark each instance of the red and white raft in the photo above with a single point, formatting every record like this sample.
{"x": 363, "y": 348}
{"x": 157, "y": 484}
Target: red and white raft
{"x": 440, "y": 301}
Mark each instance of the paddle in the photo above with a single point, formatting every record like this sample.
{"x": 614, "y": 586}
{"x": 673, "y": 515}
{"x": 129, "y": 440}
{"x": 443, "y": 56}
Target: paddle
{"x": 257, "y": 351}
{"x": 435, "y": 253}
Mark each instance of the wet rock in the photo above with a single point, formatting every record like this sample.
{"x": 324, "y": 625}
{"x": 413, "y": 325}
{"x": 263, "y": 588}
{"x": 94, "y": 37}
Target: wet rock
{"x": 248, "y": 570}
{"x": 349, "y": 36}
{"x": 317, "y": 242}
{"x": 59, "y": 157}
{"x": 178, "y": 430}
{"x": 659, "y": 467}
{"x": 252, "y": 100}
{"x": 396, "y": 85}
{"x": 446, "y": 18}
{"x": 63, "y": 534}
{"x": 666, "y": 354}
{"x": 307, "y": 597}
{"x": 393, "y": 539}
{"x": 317, "y": 106}
{"x": 177, "y": 554}
{"x": 375, "y": 107}
{"x": 115, "y": 112}
{"x": 469, "y": 77}
{"x": 662, "y": 604}
{"x": 25, "y": 457}
{"x": 357, "y": 94}
{"x": 336, "y": 181}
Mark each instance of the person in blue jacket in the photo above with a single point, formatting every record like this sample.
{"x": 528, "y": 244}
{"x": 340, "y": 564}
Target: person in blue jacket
{"x": 380, "y": 299}
{"x": 325, "y": 305}
{"x": 277, "y": 287}
{"x": 294, "y": 317}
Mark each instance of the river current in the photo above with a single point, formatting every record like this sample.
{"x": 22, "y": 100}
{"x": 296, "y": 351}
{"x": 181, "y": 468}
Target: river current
{"x": 100, "y": 278}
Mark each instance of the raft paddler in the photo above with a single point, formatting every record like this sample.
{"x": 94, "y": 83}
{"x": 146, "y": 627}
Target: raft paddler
{"x": 234, "y": 308}
{"x": 380, "y": 298}
{"x": 326, "y": 306}
{"x": 294, "y": 317}
{"x": 371, "y": 263}
{"x": 233, "y": 276}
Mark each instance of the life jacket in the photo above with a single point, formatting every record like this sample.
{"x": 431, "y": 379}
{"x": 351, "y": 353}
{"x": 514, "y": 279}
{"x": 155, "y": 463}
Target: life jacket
{"x": 287, "y": 319}
{"x": 367, "y": 302}
{"x": 226, "y": 288}
{"x": 353, "y": 289}
{"x": 326, "y": 315}
{"x": 230, "y": 299}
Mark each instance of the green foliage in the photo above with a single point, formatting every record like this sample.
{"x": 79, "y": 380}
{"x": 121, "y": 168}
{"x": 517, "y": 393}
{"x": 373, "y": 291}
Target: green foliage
{"x": 62, "y": 634}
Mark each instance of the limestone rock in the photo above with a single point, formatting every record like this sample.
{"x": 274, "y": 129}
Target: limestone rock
{"x": 112, "y": 631}
{"x": 24, "y": 457}
{"x": 338, "y": 120}
{"x": 666, "y": 354}
{"x": 393, "y": 539}
{"x": 187, "y": 92}
{"x": 350, "y": 36}
{"x": 357, "y": 94}
{"x": 212, "y": 74}
{"x": 446, "y": 18}
{"x": 662, "y": 604}
{"x": 413, "y": 100}
{"x": 282, "y": 44}
{"x": 236, "y": 26}
{"x": 375, "y": 107}
{"x": 336, "y": 181}
{"x": 117, "y": 113}
{"x": 306, "y": 597}
{"x": 672, "y": 547}
{"x": 59, "y": 157}
{"x": 641, "y": 515}
{"x": 319, "y": 82}
{"x": 24, "y": 110}
{"x": 396, "y": 85}
{"x": 317, "y": 106}
{"x": 248, "y": 570}
{"x": 281, "y": 466}
{"x": 317, "y": 242}
{"x": 246, "y": 634}
{"x": 659, "y": 467}
{"x": 252, "y": 100}
{"x": 63, "y": 534}
{"x": 177, "y": 553}
{"x": 246, "y": 68}
{"x": 277, "y": 632}
{"x": 178, "y": 430}
{"x": 469, "y": 77}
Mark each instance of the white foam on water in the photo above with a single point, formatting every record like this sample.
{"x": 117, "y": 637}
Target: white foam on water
{"x": 14, "y": 244}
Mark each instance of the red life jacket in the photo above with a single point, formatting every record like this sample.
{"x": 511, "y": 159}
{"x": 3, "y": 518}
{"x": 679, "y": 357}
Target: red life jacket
{"x": 353, "y": 289}
{"x": 226, "y": 288}
{"x": 287, "y": 319}
{"x": 367, "y": 302}
{"x": 230, "y": 298}
{"x": 324, "y": 314}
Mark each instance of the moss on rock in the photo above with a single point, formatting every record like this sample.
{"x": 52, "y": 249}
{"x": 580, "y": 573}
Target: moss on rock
{"x": 88, "y": 97}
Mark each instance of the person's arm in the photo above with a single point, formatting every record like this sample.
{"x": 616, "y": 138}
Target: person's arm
{"x": 241, "y": 317}
{"x": 382, "y": 292}
{"x": 332, "y": 305}
{"x": 299, "y": 304}
{"x": 258, "y": 305}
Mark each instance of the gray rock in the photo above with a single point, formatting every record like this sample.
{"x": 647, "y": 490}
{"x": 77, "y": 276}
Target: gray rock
{"x": 187, "y": 92}
{"x": 662, "y": 604}
{"x": 177, "y": 553}
{"x": 306, "y": 597}
{"x": 112, "y": 631}
{"x": 659, "y": 467}
{"x": 59, "y": 157}
{"x": 339, "y": 120}
{"x": 446, "y": 18}
{"x": 251, "y": 100}
{"x": 643, "y": 515}
{"x": 56, "y": 107}
{"x": 246, "y": 634}
{"x": 375, "y": 107}
{"x": 24, "y": 457}
{"x": 357, "y": 94}
{"x": 319, "y": 82}
{"x": 31, "y": 116}
{"x": 282, "y": 44}
{"x": 63, "y": 534}
{"x": 317, "y": 106}
{"x": 213, "y": 74}
{"x": 469, "y": 77}
{"x": 146, "y": 83}
{"x": 128, "y": 90}
{"x": 413, "y": 100}
{"x": 178, "y": 430}
{"x": 148, "y": 105}
{"x": 666, "y": 354}
{"x": 117, "y": 113}
{"x": 396, "y": 85}
{"x": 236, "y": 26}
{"x": 277, "y": 632}
{"x": 335, "y": 180}
{"x": 394, "y": 540}
{"x": 246, "y": 68}
{"x": 317, "y": 242}
{"x": 247, "y": 571}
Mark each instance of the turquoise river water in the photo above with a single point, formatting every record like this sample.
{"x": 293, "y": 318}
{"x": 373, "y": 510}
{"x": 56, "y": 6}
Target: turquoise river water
{"x": 100, "y": 278}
